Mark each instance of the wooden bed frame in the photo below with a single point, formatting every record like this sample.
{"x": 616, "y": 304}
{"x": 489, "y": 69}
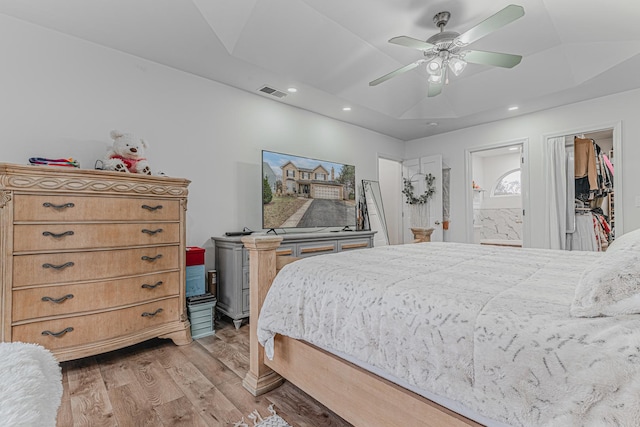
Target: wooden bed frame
{"x": 356, "y": 395}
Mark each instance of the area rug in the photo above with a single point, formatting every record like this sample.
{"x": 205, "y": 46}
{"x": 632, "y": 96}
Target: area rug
{"x": 273, "y": 420}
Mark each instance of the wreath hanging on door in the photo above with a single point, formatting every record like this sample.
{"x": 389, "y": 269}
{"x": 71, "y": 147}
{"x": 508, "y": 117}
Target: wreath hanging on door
{"x": 408, "y": 190}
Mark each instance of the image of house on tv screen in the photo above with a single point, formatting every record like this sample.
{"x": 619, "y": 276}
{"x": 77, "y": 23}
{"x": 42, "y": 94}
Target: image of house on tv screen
{"x": 299, "y": 192}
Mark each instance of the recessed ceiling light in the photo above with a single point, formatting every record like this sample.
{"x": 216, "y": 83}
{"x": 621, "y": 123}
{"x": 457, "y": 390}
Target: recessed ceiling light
{"x": 514, "y": 148}
{"x": 513, "y": 108}
{"x": 432, "y": 124}
{"x": 346, "y": 109}
{"x": 292, "y": 90}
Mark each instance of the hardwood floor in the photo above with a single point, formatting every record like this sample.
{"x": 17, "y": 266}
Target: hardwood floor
{"x": 157, "y": 383}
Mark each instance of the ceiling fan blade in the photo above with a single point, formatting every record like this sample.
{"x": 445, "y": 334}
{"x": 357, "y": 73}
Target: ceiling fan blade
{"x": 396, "y": 72}
{"x": 411, "y": 42}
{"x": 496, "y": 59}
{"x": 492, "y": 23}
{"x": 435, "y": 89}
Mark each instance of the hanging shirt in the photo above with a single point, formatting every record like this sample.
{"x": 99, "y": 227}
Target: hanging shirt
{"x": 585, "y": 161}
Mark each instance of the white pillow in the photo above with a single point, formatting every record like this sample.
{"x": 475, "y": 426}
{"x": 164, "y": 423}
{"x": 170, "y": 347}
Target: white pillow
{"x": 611, "y": 286}
{"x": 627, "y": 242}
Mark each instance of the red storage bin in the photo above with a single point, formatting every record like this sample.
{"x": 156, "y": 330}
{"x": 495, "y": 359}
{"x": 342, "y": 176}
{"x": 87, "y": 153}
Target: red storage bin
{"x": 195, "y": 255}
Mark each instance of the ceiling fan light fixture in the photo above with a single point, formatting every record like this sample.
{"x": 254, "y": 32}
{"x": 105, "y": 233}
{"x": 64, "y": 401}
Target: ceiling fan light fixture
{"x": 457, "y": 65}
{"x": 434, "y": 66}
{"x": 443, "y": 52}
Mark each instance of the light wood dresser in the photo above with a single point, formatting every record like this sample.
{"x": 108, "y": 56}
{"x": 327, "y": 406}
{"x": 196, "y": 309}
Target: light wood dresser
{"x": 91, "y": 261}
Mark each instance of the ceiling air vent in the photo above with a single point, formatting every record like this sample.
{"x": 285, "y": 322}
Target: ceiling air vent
{"x": 273, "y": 92}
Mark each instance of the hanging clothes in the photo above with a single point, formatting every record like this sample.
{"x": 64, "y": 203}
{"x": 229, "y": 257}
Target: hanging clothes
{"x": 584, "y": 237}
{"x": 585, "y": 161}
{"x": 592, "y": 231}
{"x": 593, "y": 177}
{"x": 593, "y": 173}
{"x": 602, "y": 229}
{"x": 607, "y": 162}
{"x": 605, "y": 180}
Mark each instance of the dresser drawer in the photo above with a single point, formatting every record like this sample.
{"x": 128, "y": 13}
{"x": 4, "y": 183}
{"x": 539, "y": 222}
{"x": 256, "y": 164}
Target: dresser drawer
{"x": 83, "y": 329}
{"x": 59, "y": 268}
{"x": 46, "y": 237}
{"x": 286, "y": 250}
{"x": 85, "y": 208}
{"x": 317, "y": 248}
{"x": 349, "y": 245}
{"x": 44, "y": 301}
{"x": 282, "y": 250}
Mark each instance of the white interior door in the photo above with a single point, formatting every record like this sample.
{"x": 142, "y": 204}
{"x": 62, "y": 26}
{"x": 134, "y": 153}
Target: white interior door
{"x": 410, "y": 168}
{"x": 415, "y": 170}
{"x": 390, "y": 177}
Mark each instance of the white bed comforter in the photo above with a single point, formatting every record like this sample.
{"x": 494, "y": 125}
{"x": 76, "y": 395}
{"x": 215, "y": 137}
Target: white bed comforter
{"x": 488, "y": 327}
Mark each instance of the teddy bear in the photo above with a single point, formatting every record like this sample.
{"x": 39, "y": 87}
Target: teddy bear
{"x": 127, "y": 154}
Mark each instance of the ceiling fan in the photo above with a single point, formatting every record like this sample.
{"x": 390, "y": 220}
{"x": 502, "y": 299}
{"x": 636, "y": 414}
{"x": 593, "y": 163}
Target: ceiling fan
{"x": 446, "y": 49}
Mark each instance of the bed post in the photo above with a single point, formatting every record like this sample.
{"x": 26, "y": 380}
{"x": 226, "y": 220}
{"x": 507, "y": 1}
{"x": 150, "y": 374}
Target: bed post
{"x": 262, "y": 270}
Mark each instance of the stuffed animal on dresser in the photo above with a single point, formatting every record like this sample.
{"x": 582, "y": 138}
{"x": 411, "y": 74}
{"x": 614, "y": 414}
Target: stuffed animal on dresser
{"x": 127, "y": 154}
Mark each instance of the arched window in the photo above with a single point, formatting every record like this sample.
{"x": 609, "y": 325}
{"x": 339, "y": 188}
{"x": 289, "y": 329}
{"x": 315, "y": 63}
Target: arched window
{"x": 508, "y": 184}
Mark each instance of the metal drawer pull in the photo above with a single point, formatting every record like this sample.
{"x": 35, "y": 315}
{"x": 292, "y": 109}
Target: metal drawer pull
{"x": 58, "y": 300}
{"x": 151, "y": 258}
{"x": 64, "y": 206}
{"x": 146, "y": 286}
{"x": 147, "y": 314}
{"x": 58, "y": 334}
{"x": 151, "y": 208}
{"x": 58, "y": 235}
{"x": 152, "y": 232}
{"x": 58, "y": 267}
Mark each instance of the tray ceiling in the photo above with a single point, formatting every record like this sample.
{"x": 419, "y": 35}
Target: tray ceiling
{"x": 330, "y": 50}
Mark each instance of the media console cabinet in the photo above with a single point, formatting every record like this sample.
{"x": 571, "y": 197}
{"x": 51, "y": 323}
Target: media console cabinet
{"x": 91, "y": 261}
{"x": 232, "y": 263}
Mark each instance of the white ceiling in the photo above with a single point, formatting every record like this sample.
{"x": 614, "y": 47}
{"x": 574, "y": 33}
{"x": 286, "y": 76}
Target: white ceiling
{"x": 330, "y": 49}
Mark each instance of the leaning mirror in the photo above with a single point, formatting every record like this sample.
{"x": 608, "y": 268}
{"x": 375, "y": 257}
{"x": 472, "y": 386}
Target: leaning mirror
{"x": 375, "y": 212}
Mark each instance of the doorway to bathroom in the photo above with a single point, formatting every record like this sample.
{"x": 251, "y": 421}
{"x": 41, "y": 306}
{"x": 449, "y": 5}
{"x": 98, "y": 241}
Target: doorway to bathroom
{"x": 497, "y": 191}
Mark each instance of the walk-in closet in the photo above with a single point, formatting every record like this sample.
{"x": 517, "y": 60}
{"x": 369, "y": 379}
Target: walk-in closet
{"x": 590, "y": 191}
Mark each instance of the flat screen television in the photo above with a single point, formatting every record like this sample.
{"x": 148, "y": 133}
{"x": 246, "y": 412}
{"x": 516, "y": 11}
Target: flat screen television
{"x": 301, "y": 192}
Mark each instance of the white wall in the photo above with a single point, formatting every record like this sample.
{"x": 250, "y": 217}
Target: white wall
{"x": 588, "y": 115}
{"x": 61, "y": 96}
